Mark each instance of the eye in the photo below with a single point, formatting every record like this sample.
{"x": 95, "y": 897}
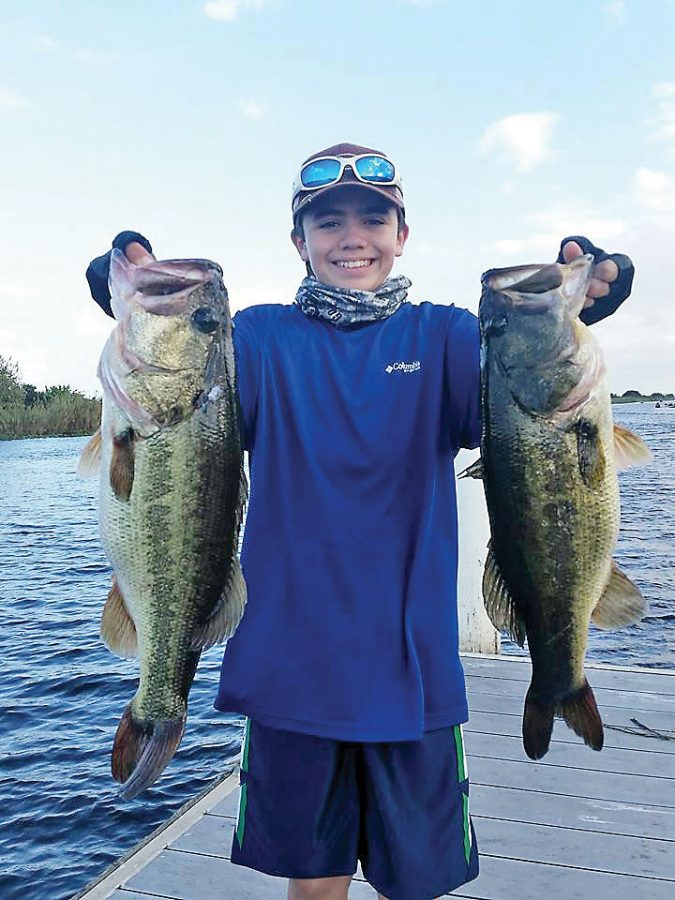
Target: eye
{"x": 328, "y": 224}
{"x": 204, "y": 320}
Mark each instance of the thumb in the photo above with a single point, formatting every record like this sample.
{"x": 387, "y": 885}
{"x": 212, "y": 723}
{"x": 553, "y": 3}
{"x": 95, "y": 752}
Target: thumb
{"x": 571, "y": 250}
{"x": 137, "y": 254}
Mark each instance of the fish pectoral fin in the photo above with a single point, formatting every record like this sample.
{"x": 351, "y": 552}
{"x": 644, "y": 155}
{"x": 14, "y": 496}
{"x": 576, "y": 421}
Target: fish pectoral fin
{"x": 118, "y": 630}
{"x": 90, "y": 458}
{"x": 499, "y": 603}
{"x": 629, "y": 449}
{"x": 122, "y": 464}
{"x": 227, "y": 614}
{"x": 475, "y": 470}
{"x": 590, "y": 453}
{"x": 621, "y": 603}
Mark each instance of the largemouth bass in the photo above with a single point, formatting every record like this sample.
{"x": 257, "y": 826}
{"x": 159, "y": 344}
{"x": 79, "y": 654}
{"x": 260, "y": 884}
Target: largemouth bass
{"x": 550, "y": 454}
{"x": 171, "y": 497}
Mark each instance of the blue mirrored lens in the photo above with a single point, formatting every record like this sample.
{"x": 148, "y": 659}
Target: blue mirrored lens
{"x": 376, "y": 169}
{"x": 316, "y": 174}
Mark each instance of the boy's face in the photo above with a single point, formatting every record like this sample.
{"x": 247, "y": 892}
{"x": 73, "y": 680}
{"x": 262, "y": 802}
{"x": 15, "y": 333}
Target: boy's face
{"x": 351, "y": 238}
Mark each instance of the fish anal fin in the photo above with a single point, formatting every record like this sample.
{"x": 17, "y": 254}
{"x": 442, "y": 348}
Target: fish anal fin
{"x": 537, "y": 725}
{"x": 475, "y": 470}
{"x": 90, "y": 458}
{"x": 117, "y": 627}
{"x": 590, "y": 454}
{"x": 122, "y": 464}
{"x": 621, "y": 603}
{"x": 629, "y": 449}
{"x": 222, "y": 623}
{"x": 499, "y": 603}
{"x": 580, "y": 712}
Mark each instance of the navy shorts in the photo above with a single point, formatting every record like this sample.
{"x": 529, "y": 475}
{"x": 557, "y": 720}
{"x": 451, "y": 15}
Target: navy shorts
{"x": 312, "y": 807}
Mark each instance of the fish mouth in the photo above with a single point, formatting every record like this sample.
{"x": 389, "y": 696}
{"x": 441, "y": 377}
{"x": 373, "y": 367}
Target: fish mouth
{"x": 161, "y": 288}
{"x": 536, "y": 288}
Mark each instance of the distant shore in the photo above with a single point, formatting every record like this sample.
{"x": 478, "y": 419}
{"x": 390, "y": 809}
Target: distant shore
{"x": 642, "y": 398}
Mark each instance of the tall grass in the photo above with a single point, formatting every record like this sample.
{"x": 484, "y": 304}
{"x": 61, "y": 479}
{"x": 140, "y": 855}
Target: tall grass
{"x": 58, "y": 410}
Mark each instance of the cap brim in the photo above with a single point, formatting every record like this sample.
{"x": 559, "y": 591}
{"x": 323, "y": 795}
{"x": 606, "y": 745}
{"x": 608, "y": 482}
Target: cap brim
{"x": 392, "y": 194}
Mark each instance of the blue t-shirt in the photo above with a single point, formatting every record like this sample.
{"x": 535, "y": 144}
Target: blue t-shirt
{"x": 350, "y": 548}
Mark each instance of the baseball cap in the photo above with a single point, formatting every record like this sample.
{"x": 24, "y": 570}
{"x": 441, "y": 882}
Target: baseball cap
{"x": 303, "y": 196}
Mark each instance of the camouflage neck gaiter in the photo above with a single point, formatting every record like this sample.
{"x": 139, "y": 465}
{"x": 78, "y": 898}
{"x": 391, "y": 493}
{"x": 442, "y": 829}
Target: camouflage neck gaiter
{"x": 342, "y": 307}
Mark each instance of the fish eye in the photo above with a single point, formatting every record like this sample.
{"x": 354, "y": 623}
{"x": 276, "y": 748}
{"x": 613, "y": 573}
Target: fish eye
{"x": 203, "y": 320}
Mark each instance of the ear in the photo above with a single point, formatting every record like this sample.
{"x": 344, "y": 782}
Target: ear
{"x": 299, "y": 245}
{"x": 401, "y": 238}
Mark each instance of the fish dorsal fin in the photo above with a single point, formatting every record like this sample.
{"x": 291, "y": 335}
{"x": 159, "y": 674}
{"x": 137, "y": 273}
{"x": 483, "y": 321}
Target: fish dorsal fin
{"x": 117, "y": 627}
{"x": 475, "y": 470}
{"x": 629, "y": 449}
{"x": 230, "y": 608}
{"x": 499, "y": 603}
{"x": 590, "y": 454}
{"x": 621, "y": 602}
{"x": 90, "y": 458}
{"x": 122, "y": 464}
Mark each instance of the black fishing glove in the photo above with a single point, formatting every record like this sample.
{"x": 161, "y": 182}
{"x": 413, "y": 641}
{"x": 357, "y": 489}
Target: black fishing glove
{"x": 99, "y": 268}
{"x": 618, "y": 289}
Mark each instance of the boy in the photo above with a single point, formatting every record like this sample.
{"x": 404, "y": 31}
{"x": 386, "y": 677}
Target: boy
{"x": 354, "y": 404}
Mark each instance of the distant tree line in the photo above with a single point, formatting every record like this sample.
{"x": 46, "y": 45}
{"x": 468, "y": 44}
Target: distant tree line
{"x": 58, "y": 410}
{"x": 657, "y": 395}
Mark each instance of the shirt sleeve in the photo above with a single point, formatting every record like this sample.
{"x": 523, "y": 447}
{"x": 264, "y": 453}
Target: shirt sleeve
{"x": 247, "y": 365}
{"x": 462, "y": 372}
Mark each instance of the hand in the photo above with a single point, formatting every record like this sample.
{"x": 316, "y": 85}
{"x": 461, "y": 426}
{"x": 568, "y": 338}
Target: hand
{"x": 139, "y": 256}
{"x": 604, "y": 273}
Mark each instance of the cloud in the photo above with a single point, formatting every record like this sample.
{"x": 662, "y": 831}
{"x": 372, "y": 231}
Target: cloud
{"x": 524, "y": 138}
{"x": 10, "y": 101}
{"x": 548, "y": 229}
{"x": 227, "y": 10}
{"x": 654, "y": 190}
{"x": 253, "y": 109}
{"x": 95, "y": 57}
{"x": 44, "y": 42}
{"x": 663, "y": 123}
{"x": 615, "y": 10}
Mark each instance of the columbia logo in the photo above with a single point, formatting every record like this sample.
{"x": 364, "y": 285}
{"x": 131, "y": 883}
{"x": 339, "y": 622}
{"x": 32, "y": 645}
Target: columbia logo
{"x": 405, "y": 367}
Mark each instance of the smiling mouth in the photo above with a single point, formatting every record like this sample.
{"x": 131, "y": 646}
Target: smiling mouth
{"x": 353, "y": 263}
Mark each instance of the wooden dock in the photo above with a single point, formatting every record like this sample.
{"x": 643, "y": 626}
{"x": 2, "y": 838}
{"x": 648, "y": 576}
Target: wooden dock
{"x": 576, "y": 825}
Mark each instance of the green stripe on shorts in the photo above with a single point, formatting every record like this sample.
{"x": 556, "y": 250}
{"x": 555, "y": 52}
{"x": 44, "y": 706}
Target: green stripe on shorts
{"x": 461, "y": 758}
{"x": 467, "y": 828}
{"x": 243, "y": 791}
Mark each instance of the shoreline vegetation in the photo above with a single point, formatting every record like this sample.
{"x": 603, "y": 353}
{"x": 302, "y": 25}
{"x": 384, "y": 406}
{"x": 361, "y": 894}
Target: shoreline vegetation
{"x": 58, "y": 410}
{"x": 637, "y": 397}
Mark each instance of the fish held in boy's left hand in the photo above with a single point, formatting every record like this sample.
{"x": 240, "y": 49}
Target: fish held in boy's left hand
{"x": 549, "y": 459}
{"x": 171, "y": 494}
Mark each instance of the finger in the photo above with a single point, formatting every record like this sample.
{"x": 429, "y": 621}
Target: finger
{"x": 571, "y": 250}
{"x": 607, "y": 271}
{"x": 588, "y": 302}
{"x": 597, "y": 288}
{"x": 137, "y": 254}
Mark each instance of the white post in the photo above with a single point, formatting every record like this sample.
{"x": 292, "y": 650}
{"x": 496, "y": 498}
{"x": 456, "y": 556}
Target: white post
{"x": 476, "y": 632}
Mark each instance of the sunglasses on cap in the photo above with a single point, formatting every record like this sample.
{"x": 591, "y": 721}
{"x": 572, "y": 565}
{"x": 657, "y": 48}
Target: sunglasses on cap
{"x": 369, "y": 168}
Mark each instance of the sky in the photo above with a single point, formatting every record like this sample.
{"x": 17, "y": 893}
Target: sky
{"x": 513, "y": 124}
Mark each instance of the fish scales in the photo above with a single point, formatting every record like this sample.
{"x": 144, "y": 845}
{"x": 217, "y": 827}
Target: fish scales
{"x": 548, "y": 453}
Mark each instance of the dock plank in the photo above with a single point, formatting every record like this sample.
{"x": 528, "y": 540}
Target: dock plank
{"x": 605, "y": 816}
{"x": 510, "y": 879}
{"x": 575, "y": 755}
{"x": 594, "y": 785}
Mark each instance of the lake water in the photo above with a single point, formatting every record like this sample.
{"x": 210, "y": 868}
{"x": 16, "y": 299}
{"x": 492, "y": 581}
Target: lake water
{"x": 62, "y": 692}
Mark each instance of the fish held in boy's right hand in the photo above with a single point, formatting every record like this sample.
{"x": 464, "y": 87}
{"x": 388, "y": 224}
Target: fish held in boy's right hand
{"x": 550, "y": 454}
{"x": 171, "y": 494}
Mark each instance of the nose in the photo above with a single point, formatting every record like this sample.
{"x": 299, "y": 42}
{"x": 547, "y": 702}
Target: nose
{"x": 353, "y": 236}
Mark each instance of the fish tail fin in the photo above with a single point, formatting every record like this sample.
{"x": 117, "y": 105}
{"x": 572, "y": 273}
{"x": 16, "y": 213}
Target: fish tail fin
{"x": 580, "y": 712}
{"x": 141, "y": 751}
{"x": 537, "y": 725}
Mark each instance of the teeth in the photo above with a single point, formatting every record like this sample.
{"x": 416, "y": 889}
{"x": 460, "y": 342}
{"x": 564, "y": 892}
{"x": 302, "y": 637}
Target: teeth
{"x": 353, "y": 263}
